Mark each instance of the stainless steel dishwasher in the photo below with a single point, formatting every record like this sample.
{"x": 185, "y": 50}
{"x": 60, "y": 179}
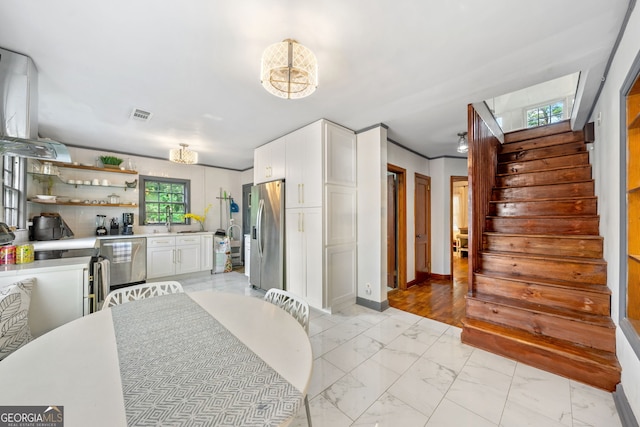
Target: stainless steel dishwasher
{"x": 127, "y": 260}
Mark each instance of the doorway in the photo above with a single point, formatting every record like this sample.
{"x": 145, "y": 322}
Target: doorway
{"x": 459, "y": 229}
{"x": 396, "y": 228}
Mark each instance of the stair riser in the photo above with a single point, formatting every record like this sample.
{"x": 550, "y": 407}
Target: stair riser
{"x": 547, "y": 226}
{"x": 597, "y": 375}
{"x": 582, "y": 333}
{"x": 558, "y": 269}
{"x": 552, "y": 246}
{"x": 541, "y": 153}
{"x": 569, "y": 298}
{"x": 568, "y": 190}
{"x": 580, "y": 173}
{"x": 538, "y": 132}
{"x": 546, "y": 207}
{"x": 544, "y": 164}
{"x": 542, "y": 142}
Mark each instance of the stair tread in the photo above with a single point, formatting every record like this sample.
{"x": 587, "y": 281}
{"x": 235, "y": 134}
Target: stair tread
{"x": 581, "y": 260}
{"x": 589, "y": 216}
{"x": 564, "y": 313}
{"x": 561, "y": 347}
{"x": 554, "y": 169}
{"x": 521, "y": 135}
{"x": 546, "y": 236}
{"x": 547, "y": 199}
{"x": 540, "y": 185}
{"x": 591, "y": 287}
{"x": 539, "y": 159}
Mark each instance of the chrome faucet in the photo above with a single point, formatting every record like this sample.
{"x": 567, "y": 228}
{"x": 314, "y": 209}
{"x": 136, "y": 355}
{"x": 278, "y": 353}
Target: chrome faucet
{"x": 168, "y": 224}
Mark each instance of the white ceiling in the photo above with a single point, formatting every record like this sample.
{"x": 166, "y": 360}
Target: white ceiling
{"x": 195, "y": 64}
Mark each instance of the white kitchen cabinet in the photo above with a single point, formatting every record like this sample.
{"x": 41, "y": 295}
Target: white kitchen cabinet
{"x": 321, "y": 213}
{"x": 269, "y": 161}
{"x": 59, "y": 294}
{"x": 171, "y": 255}
{"x": 304, "y": 166}
{"x": 206, "y": 262}
{"x": 188, "y": 254}
{"x": 304, "y": 254}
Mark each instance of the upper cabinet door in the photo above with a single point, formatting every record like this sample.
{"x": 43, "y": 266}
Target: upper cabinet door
{"x": 304, "y": 167}
{"x": 269, "y": 161}
{"x": 340, "y": 155}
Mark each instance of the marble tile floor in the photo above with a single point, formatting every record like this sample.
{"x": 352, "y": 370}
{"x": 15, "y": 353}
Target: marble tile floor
{"x": 399, "y": 369}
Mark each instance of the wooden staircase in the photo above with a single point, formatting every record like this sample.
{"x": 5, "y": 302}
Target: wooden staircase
{"x": 539, "y": 293}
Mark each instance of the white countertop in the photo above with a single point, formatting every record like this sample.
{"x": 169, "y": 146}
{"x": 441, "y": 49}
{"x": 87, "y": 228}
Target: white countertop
{"x": 94, "y": 241}
{"x": 44, "y": 266}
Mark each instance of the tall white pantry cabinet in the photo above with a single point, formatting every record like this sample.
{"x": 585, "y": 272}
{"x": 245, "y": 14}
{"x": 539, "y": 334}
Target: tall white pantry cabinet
{"x": 320, "y": 214}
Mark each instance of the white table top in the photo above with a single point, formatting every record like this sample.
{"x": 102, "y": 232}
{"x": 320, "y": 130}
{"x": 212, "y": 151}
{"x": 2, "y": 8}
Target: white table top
{"x": 76, "y": 365}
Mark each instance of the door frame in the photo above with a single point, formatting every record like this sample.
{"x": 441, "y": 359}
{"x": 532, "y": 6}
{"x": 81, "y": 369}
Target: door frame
{"x": 401, "y": 243}
{"x": 452, "y": 180}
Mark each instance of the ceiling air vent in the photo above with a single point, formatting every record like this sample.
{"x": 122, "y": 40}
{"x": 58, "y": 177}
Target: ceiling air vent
{"x": 138, "y": 114}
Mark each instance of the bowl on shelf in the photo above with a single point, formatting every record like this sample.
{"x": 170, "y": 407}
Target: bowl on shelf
{"x": 45, "y": 197}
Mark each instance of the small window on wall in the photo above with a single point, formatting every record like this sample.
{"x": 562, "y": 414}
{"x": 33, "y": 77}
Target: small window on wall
{"x": 163, "y": 199}
{"x": 545, "y": 114}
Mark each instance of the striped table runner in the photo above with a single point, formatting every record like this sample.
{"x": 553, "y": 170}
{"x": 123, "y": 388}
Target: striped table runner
{"x": 181, "y": 367}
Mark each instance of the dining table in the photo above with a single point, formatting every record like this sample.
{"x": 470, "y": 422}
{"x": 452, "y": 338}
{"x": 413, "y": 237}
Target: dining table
{"x": 187, "y": 359}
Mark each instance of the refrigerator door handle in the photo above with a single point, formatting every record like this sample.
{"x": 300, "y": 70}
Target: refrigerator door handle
{"x": 259, "y": 225}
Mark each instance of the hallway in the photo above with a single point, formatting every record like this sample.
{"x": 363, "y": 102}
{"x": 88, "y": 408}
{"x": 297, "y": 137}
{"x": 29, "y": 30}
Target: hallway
{"x": 436, "y": 299}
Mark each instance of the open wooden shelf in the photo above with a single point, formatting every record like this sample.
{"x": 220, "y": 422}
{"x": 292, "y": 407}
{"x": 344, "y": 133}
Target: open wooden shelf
{"x": 117, "y": 205}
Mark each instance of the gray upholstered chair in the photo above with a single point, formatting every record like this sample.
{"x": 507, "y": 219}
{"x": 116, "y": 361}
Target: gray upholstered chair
{"x": 299, "y": 309}
{"x": 137, "y": 292}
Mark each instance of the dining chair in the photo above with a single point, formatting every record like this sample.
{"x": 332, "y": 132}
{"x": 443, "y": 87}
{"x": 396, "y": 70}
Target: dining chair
{"x": 299, "y": 309}
{"x": 137, "y": 292}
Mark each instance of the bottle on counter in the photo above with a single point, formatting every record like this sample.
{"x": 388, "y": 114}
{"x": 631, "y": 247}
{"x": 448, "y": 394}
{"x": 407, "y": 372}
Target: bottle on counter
{"x": 7, "y": 254}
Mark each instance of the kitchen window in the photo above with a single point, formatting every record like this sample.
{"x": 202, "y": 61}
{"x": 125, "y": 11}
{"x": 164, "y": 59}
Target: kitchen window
{"x": 13, "y": 185}
{"x": 162, "y": 199}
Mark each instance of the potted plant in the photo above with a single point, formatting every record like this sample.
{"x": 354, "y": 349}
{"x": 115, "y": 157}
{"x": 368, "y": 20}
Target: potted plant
{"x": 111, "y": 162}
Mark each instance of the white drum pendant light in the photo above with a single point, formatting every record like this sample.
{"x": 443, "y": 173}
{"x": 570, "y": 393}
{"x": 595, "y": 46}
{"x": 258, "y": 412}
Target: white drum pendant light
{"x": 183, "y": 155}
{"x": 289, "y": 70}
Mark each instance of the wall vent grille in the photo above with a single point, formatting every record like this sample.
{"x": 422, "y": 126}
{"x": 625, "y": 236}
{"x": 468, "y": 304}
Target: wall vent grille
{"x": 138, "y": 114}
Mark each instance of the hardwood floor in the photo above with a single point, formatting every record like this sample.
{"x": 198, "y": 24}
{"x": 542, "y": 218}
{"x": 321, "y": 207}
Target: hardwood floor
{"x": 440, "y": 300}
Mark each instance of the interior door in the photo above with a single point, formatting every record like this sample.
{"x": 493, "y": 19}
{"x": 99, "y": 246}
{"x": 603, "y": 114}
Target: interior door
{"x": 423, "y": 227}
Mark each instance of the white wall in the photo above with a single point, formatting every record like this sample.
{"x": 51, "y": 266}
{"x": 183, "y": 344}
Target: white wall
{"x": 372, "y": 214}
{"x": 606, "y": 163}
{"x": 413, "y": 164}
{"x": 206, "y": 183}
{"x": 441, "y": 172}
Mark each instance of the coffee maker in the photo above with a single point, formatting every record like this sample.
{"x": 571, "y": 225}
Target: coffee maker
{"x": 127, "y": 223}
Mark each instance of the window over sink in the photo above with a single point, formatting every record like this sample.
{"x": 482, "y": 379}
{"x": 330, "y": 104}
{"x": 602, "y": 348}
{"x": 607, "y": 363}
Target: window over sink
{"x": 162, "y": 199}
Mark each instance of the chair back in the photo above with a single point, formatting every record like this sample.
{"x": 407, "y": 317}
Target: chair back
{"x": 292, "y": 304}
{"x": 137, "y": 292}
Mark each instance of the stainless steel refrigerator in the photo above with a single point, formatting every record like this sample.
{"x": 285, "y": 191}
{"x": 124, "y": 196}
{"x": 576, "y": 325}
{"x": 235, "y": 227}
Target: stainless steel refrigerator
{"x": 266, "y": 270}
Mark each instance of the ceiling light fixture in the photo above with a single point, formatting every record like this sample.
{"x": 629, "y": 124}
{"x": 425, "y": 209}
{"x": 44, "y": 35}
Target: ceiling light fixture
{"x": 183, "y": 155}
{"x": 463, "y": 147}
{"x": 289, "y": 70}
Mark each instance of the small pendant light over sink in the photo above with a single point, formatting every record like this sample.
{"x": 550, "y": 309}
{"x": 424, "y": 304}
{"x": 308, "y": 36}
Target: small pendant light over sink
{"x": 183, "y": 155}
{"x": 289, "y": 70}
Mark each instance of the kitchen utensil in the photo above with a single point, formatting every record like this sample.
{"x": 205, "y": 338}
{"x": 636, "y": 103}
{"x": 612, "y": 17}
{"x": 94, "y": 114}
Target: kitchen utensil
{"x": 127, "y": 223}
{"x": 45, "y": 197}
{"x": 105, "y": 182}
{"x": 49, "y": 226}
{"x": 132, "y": 184}
{"x": 95, "y": 181}
{"x": 114, "y": 199}
{"x": 87, "y": 182}
{"x": 101, "y": 230}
